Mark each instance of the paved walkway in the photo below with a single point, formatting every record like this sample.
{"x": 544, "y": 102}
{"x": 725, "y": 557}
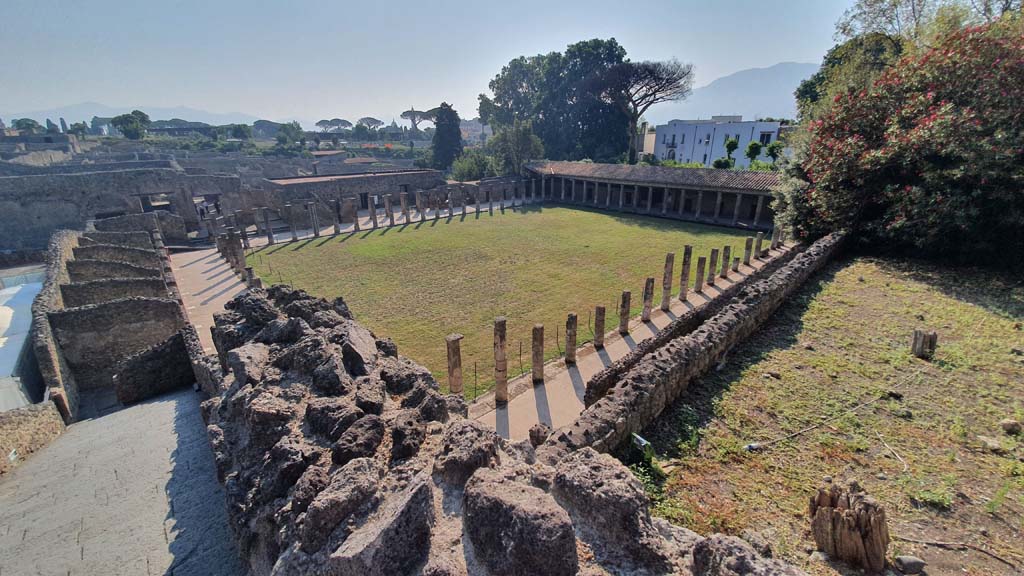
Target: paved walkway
{"x": 132, "y": 493}
{"x": 206, "y": 283}
{"x": 559, "y": 400}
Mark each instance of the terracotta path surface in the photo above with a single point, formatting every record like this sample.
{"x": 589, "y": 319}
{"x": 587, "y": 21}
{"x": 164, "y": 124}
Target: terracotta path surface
{"x": 559, "y": 400}
{"x": 206, "y": 283}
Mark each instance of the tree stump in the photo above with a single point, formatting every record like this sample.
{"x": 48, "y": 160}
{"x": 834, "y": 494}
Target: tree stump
{"x": 923, "y": 344}
{"x": 849, "y": 525}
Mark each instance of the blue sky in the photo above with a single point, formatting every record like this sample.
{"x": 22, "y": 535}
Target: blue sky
{"x": 308, "y": 60}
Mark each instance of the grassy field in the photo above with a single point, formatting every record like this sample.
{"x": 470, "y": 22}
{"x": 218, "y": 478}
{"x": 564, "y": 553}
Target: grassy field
{"x": 419, "y": 283}
{"x": 842, "y": 341}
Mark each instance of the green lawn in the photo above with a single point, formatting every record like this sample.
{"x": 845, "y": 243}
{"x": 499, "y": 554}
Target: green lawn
{"x": 417, "y": 284}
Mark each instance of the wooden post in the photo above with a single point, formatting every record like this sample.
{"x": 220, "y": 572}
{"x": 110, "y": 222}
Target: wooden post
{"x": 648, "y": 299}
{"x": 748, "y": 247}
{"x": 758, "y": 253}
{"x": 538, "y": 353}
{"x": 923, "y": 344}
{"x": 666, "y": 282}
{"x": 726, "y": 258}
{"x": 570, "y": 339}
{"x": 684, "y": 274}
{"x": 712, "y": 264}
{"x": 698, "y": 284}
{"x": 599, "y": 327}
{"x": 500, "y": 361}
{"x": 454, "y": 363}
{"x": 624, "y": 312}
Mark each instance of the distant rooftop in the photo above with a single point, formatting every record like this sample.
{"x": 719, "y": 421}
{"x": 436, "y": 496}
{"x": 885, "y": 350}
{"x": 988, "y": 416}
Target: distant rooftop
{"x": 334, "y": 177}
{"x": 706, "y": 178}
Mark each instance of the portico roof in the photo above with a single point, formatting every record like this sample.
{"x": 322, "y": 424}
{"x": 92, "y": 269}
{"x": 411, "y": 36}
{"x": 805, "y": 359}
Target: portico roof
{"x": 706, "y": 178}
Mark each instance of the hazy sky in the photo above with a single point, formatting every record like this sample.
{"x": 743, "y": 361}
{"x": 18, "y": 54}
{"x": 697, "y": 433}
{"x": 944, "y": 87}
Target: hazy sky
{"x": 333, "y": 58}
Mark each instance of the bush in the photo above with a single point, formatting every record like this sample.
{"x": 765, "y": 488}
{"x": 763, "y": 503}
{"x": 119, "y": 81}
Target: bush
{"x": 929, "y": 158}
{"x": 473, "y": 165}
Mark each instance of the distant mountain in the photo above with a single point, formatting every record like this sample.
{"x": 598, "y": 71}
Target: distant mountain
{"x": 86, "y": 110}
{"x": 755, "y": 92}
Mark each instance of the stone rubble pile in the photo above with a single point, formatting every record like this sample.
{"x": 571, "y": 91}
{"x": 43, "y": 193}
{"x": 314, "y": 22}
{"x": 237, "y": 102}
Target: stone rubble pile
{"x": 339, "y": 456}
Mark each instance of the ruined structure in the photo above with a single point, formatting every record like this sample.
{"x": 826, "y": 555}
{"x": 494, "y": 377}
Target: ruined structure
{"x": 341, "y": 457}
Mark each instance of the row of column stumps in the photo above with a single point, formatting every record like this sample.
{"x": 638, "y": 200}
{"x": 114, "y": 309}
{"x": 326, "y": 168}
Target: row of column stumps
{"x": 752, "y": 249}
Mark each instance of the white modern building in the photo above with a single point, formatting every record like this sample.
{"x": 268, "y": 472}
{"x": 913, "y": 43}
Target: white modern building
{"x": 703, "y": 141}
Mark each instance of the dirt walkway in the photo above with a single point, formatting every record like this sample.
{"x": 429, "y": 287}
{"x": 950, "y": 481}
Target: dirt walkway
{"x": 206, "y": 283}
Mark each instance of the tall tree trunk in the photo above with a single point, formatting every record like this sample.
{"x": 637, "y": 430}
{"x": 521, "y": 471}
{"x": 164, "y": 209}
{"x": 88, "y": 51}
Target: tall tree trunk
{"x": 632, "y": 140}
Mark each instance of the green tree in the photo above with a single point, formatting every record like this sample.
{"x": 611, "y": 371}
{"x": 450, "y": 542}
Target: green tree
{"x": 290, "y": 133}
{"x": 241, "y": 131}
{"x": 27, "y": 126}
{"x": 731, "y": 144}
{"x": 447, "y": 142}
{"x": 723, "y": 163}
{"x": 323, "y": 125}
{"x": 555, "y": 92}
{"x": 370, "y": 122}
{"x": 636, "y": 86}
{"x": 753, "y": 151}
{"x": 473, "y": 165}
{"x": 132, "y": 125}
{"x": 774, "y": 150}
{"x": 414, "y": 117}
{"x": 78, "y": 129}
{"x": 514, "y": 145}
{"x": 339, "y": 124}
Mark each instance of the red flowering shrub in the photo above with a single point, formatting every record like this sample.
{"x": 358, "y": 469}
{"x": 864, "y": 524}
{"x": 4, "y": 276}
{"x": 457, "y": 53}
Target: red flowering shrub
{"x": 931, "y": 157}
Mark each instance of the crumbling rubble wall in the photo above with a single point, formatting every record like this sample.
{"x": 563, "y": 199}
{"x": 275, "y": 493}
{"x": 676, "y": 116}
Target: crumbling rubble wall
{"x": 107, "y": 289}
{"x": 141, "y": 257}
{"x": 137, "y": 239}
{"x": 27, "y": 429}
{"x": 341, "y": 457}
{"x": 171, "y": 226}
{"x": 661, "y": 377}
{"x": 160, "y": 368}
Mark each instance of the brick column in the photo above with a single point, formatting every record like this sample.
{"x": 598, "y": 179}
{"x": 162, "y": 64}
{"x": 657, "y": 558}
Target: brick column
{"x": 570, "y": 339}
{"x": 684, "y": 274}
{"x": 452, "y": 342}
{"x": 599, "y": 327}
{"x": 624, "y": 312}
{"x": 537, "y": 357}
{"x": 648, "y": 299}
{"x": 666, "y": 281}
{"x": 726, "y": 258}
{"x": 500, "y": 361}
{"x": 698, "y": 284}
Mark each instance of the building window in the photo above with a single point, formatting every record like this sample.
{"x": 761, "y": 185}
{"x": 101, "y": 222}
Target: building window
{"x": 766, "y": 138}
{"x": 682, "y": 139}
{"x": 671, "y": 154}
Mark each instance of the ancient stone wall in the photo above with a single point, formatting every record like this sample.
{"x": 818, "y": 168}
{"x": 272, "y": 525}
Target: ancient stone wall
{"x": 107, "y": 289}
{"x": 141, "y": 257}
{"x": 661, "y": 377}
{"x": 25, "y": 430}
{"x": 94, "y": 339}
{"x": 88, "y": 270}
{"x": 139, "y": 239}
{"x": 160, "y": 368}
{"x": 171, "y": 226}
{"x": 19, "y": 169}
{"x": 206, "y": 370}
{"x": 341, "y": 457}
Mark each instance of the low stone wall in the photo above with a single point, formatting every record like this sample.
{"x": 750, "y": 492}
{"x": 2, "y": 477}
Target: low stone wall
{"x": 94, "y": 339}
{"x": 171, "y": 226}
{"x": 341, "y": 457}
{"x": 601, "y": 382}
{"x": 661, "y": 378}
{"x": 88, "y": 270}
{"x": 17, "y": 258}
{"x": 14, "y": 169}
{"x": 56, "y": 375}
{"x": 155, "y": 370}
{"x": 139, "y": 239}
{"x": 205, "y": 369}
{"x": 99, "y": 291}
{"x": 25, "y": 430}
{"x": 141, "y": 257}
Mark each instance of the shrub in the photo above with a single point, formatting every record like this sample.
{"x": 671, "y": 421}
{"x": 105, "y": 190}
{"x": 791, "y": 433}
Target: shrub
{"x": 929, "y": 158}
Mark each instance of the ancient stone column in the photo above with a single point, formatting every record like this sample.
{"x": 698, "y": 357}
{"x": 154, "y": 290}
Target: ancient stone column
{"x": 648, "y": 299}
{"x": 387, "y": 208}
{"x": 718, "y": 204}
{"x": 698, "y": 284}
{"x": 291, "y": 221}
{"x": 373, "y": 213}
{"x": 476, "y": 201}
{"x": 758, "y": 253}
{"x": 712, "y": 265}
{"x": 748, "y": 247}
{"x": 437, "y": 212}
{"x": 684, "y": 274}
{"x": 533, "y": 184}
{"x": 622, "y": 195}
{"x": 563, "y": 189}
{"x": 490, "y": 203}
{"x": 537, "y": 358}
{"x": 599, "y": 327}
{"x": 500, "y": 361}
{"x": 682, "y": 201}
{"x": 419, "y": 203}
{"x": 314, "y": 221}
{"x": 664, "y": 201}
{"x": 736, "y": 264}
{"x": 403, "y": 200}
{"x": 452, "y": 342}
{"x": 736, "y": 208}
{"x": 248, "y": 276}
{"x": 757, "y": 211}
{"x": 700, "y": 201}
{"x": 244, "y": 235}
{"x": 666, "y": 281}
{"x": 209, "y": 228}
{"x": 726, "y": 258}
{"x": 570, "y": 339}
{"x": 355, "y": 211}
{"x": 624, "y": 312}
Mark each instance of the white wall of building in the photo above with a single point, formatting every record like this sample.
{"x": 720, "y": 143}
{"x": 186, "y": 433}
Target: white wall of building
{"x": 703, "y": 141}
